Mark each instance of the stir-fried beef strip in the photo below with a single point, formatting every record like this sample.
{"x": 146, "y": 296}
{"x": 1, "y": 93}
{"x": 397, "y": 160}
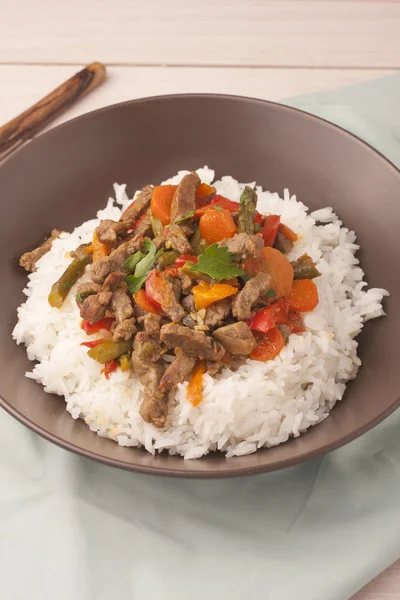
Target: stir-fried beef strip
{"x": 177, "y": 239}
{"x": 203, "y": 305}
{"x": 87, "y": 289}
{"x": 236, "y": 338}
{"x": 177, "y": 371}
{"x": 92, "y": 310}
{"x": 243, "y": 244}
{"x": 108, "y": 232}
{"x": 139, "y": 206}
{"x": 217, "y": 312}
{"x": 184, "y": 200}
{"x": 144, "y": 227}
{"x": 254, "y": 288}
{"x": 193, "y": 343}
{"x": 100, "y": 269}
{"x": 282, "y": 243}
{"x": 145, "y": 361}
{"x": 285, "y": 331}
{"x": 29, "y": 259}
{"x": 152, "y": 323}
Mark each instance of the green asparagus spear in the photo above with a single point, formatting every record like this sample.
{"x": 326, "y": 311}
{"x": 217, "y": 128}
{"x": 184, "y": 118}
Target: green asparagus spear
{"x": 61, "y": 288}
{"x": 167, "y": 258}
{"x": 109, "y": 350}
{"x": 305, "y": 268}
{"x": 247, "y": 210}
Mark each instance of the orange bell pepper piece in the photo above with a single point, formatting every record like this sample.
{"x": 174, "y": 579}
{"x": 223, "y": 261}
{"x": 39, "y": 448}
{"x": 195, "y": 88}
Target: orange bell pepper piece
{"x": 206, "y": 294}
{"x": 194, "y": 391}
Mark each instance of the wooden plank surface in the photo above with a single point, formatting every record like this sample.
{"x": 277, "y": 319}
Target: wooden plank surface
{"x": 269, "y": 49}
{"x": 23, "y": 85}
{"x": 187, "y": 32}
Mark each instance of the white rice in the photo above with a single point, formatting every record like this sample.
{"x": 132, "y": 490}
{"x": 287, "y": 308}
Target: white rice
{"x": 261, "y": 404}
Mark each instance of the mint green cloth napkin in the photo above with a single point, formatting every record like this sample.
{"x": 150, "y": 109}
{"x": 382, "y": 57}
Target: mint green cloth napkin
{"x": 72, "y": 529}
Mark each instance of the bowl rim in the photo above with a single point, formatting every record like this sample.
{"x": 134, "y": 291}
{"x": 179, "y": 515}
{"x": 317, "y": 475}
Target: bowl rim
{"x": 172, "y": 471}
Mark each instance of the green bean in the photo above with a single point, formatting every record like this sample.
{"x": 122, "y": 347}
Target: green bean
{"x": 156, "y": 226}
{"x": 247, "y": 210}
{"x": 195, "y": 240}
{"x": 167, "y": 258}
{"x": 61, "y": 288}
{"x": 305, "y": 268}
{"x": 109, "y": 350}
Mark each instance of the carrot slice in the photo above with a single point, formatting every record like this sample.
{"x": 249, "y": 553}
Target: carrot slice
{"x": 277, "y": 265}
{"x": 269, "y": 346}
{"x": 99, "y": 250}
{"x": 161, "y": 201}
{"x": 204, "y": 193}
{"x": 288, "y": 233}
{"x": 194, "y": 391}
{"x": 304, "y": 295}
{"x": 216, "y": 225}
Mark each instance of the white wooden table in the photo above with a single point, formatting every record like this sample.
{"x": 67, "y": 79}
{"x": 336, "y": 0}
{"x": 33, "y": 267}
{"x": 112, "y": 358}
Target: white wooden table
{"x": 265, "y": 48}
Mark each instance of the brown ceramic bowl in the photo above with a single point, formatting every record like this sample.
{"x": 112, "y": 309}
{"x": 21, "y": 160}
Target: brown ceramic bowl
{"x": 63, "y": 177}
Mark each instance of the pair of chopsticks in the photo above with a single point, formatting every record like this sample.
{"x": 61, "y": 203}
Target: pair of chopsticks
{"x": 22, "y": 128}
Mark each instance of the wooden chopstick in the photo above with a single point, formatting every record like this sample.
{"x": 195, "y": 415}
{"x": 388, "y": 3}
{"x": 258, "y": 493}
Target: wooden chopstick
{"x": 34, "y": 119}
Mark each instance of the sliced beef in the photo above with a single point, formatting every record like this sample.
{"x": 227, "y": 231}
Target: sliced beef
{"x": 152, "y": 323}
{"x": 145, "y": 357}
{"x": 193, "y": 343}
{"x": 29, "y": 259}
{"x": 214, "y": 367}
{"x": 144, "y": 227}
{"x": 159, "y": 241}
{"x": 252, "y": 291}
{"x": 178, "y": 371}
{"x": 111, "y": 283}
{"x": 121, "y": 305}
{"x": 100, "y": 269}
{"x": 217, "y": 312}
{"x": 125, "y": 330}
{"x": 285, "y": 331}
{"x": 92, "y": 310}
{"x": 244, "y": 245}
{"x": 139, "y": 206}
{"x": 184, "y": 200}
{"x": 236, "y": 338}
{"x": 282, "y": 243}
{"x": 146, "y": 350}
{"x": 186, "y": 283}
{"x": 188, "y": 303}
{"x": 154, "y": 407}
{"x": 108, "y": 232}
{"x": 88, "y": 288}
{"x": 176, "y": 239}
{"x": 170, "y": 305}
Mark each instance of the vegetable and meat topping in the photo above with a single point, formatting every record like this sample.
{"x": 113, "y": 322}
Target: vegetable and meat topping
{"x": 187, "y": 282}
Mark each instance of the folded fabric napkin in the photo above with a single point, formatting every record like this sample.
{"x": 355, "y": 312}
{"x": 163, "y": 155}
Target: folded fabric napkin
{"x": 73, "y": 529}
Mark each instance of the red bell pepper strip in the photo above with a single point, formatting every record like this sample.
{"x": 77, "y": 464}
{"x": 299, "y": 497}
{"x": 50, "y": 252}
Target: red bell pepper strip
{"x": 96, "y": 327}
{"x": 267, "y": 318}
{"x": 295, "y": 322}
{"x": 270, "y": 229}
{"x": 184, "y": 258}
{"x": 109, "y": 367}
{"x": 93, "y": 343}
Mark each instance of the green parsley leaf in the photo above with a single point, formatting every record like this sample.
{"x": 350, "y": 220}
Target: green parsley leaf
{"x": 142, "y": 269}
{"x": 271, "y": 293}
{"x": 185, "y": 218}
{"x": 132, "y": 261}
{"x": 79, "y": 298}
{"x": 257, "y": 227}
{"x": 147, "y": 244}
{"x": 135, "y": 283}
{"x": 217, "y": 262}
{"x": 217, "y": 207}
